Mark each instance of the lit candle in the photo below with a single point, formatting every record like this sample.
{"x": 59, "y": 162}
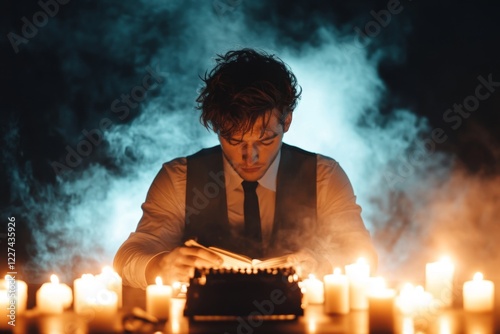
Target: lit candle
{"x": 358, "y": 274}
{"x": 111, "y": 281}
{"x": 413, "y": 300}
{"x": 336, "y": 293}
{"x": 16, "y": 292}
{"x": 314, "y": 290}
{"x": 158, "y": 299}
{"x": 380, "y": 307}
{"x": 478, "y": 294}
{"x": 86, "y": 289}
{"x": 53, "y": 297}
{"x": 439, "y": 280}
{"x": 178, "y": 322}
{"x": 4, "y": 309}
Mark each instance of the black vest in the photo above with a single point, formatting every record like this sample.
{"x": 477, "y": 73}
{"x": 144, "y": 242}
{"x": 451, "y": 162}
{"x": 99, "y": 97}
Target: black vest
{"x": 295, "y": 211}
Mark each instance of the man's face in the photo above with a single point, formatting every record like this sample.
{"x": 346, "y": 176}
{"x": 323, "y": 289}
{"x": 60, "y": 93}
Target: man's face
{"x": 252, "y": 153}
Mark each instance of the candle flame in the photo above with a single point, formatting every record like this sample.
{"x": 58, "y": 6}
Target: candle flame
{"x": 337, "y": 271}
{"x": 377, "y": 283}
{"x": 312, "y": 277}
{"x": 176, "y": 285}
{"x": 445, "y": 259}
{"x": 107, "y": 270}
{"x": 54, "y": 279}
{"x": 361, "y": 260}
{"x": 407, "y": 287}
{"x": 478, "y": 276}
{"x": 158, "y": 280}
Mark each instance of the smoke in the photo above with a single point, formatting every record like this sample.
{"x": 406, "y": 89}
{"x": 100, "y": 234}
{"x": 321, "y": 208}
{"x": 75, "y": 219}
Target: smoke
{"x": 412, "y": 195}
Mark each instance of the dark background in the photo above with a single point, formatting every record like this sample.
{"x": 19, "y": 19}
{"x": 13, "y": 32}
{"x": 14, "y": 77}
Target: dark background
{"x": 64, "y": 79}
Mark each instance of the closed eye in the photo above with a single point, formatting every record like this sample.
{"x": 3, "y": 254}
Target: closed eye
{"x": 267, "y": 142}
{"x": 233, "y": 142}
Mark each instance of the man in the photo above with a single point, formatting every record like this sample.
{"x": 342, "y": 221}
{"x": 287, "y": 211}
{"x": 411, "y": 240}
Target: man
{"x": 252, "y": 194}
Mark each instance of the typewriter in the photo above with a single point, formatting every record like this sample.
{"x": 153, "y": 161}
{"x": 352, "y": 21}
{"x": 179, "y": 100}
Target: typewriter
{"x": 271, "y": 293}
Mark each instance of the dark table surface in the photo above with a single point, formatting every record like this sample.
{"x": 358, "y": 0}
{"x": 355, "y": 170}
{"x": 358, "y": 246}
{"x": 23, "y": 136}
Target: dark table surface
{"x": 314, "y": 320}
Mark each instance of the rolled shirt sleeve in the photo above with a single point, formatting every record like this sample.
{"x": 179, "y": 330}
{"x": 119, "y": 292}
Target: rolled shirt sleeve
{"x": 161, "y": 227}
{"x": 342, "y": 236}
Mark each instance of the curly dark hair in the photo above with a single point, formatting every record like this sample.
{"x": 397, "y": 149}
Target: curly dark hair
{"x": 244, "y": 85}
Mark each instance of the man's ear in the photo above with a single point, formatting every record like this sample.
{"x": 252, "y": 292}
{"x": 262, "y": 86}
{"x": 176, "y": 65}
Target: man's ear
{"x": 287, "y": 122}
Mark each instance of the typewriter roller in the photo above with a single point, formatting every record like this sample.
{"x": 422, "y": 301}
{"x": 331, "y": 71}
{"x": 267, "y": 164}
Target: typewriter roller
{"x": 270, "y": 293}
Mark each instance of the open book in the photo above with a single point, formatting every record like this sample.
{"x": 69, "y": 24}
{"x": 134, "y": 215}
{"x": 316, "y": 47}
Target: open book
{"x": 234, "y": 260}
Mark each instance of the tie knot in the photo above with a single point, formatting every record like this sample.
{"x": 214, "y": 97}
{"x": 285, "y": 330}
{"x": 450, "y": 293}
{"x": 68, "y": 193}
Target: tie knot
{"x": 249, "y": 186}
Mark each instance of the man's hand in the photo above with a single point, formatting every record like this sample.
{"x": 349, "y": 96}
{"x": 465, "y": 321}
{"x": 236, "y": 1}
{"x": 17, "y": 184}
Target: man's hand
{"x": 179, "y": 264}
{"x": 303, "y": 262}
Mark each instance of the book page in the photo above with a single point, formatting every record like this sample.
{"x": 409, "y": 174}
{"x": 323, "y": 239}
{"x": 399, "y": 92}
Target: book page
{"x": 231, "y": 260}
{"x": 274, "y": 262}
{"x": 234, "y": 260}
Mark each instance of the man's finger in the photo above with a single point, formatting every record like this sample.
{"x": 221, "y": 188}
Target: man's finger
{"x": 202, "y": 254}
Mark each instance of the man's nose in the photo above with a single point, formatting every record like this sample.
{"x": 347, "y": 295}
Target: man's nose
{"x": 250, "y": 154}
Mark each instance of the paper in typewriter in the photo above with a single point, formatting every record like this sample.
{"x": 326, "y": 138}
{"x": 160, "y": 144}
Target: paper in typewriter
{"x": 234, "y": 260}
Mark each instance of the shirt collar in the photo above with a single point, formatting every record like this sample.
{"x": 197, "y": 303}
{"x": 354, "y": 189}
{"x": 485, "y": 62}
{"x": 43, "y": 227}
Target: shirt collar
{"x": 268, "y": 180}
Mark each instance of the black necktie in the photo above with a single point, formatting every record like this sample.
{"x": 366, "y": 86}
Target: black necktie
{"x": 252, "y": 218}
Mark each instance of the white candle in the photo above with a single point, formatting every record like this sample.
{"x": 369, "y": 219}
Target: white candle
{"x": 478, "y": 294}
{"x": 4, "y": 310}
{"x": 158, "y": 299}
{"x": 16, "y": 292}
{"x": 53, "y": 297}
{"x": 314, "y": 290}
{"x": 439, "y": 280}
{"x": 336, "y": 293}
{"x": 413, "y": 300}
{"x": 381, "y": 307}
{"x": 86, "y": 289}
{"x": 358, "y": 274}
{"x": 112, "y": 281}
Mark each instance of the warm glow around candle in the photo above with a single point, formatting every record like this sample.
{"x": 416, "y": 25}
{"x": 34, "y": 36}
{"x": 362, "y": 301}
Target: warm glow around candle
{"x": 53, "y": 297}
{"x": 158, "y": 299}
{"x": 439, "y": 280}
{"x": 107, "y": 270}
{"x": 358, "y": 270}
{"x": 479, "y": 294}
{"x": 54, "y": 279}
{"x": 445, "y": 258}
{"x": 314, "y": 290}
{"x": 336, "y": 292}
{"x": 377, "y": 283}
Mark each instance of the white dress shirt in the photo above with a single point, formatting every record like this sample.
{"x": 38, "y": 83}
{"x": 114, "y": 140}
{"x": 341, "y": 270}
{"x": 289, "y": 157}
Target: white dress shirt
{"x": 342, "y": 236}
